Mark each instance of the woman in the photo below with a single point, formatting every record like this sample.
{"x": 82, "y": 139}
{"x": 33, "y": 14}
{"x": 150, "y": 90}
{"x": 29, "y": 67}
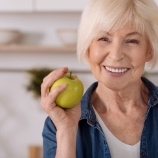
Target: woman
{"x": 118, "y": 115}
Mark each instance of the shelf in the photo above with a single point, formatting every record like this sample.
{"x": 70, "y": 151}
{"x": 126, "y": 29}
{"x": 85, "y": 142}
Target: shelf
{"x": 37, "y": 48}
{"x": 22, "y": 70}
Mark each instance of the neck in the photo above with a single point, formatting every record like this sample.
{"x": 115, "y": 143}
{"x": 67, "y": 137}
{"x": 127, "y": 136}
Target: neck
{"x": 105, "y": 99}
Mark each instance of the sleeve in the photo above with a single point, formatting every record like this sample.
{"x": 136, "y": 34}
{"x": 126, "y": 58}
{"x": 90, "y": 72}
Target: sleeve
{"x": 49, "y": 139}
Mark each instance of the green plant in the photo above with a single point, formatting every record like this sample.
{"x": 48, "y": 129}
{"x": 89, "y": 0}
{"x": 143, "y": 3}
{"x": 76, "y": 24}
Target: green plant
{"x": 36, "y": 76}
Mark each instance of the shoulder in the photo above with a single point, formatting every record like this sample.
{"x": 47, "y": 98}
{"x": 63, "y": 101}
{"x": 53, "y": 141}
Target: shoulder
{"x": 86, "y": 107}
{"x": 153, "y": 92}
{"x": 87, "y": 95}
{"x": 85, "y": 102}
{"x": 150, "y": 85}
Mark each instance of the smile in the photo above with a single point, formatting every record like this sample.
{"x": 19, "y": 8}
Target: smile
{"x": 116, "y": 70}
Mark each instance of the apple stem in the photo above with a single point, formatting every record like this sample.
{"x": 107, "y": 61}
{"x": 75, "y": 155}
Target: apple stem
{"x": 70, "y": 74}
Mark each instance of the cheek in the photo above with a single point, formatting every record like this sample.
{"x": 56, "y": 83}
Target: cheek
{"x": 95, "y": 55}
{"x": 139, "y": 56}
{"x": 138, "y": 63}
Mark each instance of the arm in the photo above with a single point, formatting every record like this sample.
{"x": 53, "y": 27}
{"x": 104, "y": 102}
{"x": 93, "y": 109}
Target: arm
{"x": 60, "y": 133}
{"x": 66, "y": 141}
{"x": 66, "y": 146}
{"x": 60, "y": 144}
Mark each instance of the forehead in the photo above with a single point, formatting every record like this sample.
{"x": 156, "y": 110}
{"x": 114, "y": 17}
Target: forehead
{"x": 127, "y": 30}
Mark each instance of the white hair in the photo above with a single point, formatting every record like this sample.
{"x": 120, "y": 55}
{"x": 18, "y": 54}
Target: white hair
{"x": 103, "y": 15}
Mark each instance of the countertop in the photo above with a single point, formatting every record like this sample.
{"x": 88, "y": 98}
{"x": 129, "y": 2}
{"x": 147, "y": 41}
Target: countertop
{"x": 37, "y": 48}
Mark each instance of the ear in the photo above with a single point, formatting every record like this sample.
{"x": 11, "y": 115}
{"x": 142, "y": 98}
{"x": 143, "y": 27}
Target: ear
{"x": 149, "y": 55}
{"x": 87, "y": 55}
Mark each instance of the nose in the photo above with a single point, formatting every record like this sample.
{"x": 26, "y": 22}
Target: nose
{"x": 116, "y": 51}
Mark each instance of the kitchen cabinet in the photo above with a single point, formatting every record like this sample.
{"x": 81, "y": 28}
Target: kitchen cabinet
{"x": 41, "y": 5}
{"x": 16, "y": 5}
{"x": 60, "y": 5}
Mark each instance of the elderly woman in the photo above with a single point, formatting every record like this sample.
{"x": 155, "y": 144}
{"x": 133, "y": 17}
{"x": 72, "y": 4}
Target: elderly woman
{"x": 118, "y": 114}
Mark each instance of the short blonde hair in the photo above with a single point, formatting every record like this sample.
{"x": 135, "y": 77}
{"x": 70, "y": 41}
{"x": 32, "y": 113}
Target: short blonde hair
{"x": 103, "y": 15}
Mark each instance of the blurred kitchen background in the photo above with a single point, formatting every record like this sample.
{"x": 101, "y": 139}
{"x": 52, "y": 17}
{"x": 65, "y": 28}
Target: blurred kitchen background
{"x": 35, "y": 34}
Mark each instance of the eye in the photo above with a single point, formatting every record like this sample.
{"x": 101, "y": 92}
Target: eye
{"x": 104, "y": 39}
{"x": 132, "y": 41}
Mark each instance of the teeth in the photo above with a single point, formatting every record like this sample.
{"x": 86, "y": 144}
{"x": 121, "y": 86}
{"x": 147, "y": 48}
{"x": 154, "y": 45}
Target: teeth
{"x": 116, "y": 70}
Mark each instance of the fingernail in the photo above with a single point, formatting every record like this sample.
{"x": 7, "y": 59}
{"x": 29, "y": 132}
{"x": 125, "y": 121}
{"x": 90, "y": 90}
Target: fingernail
{"x": 65, "y": 69}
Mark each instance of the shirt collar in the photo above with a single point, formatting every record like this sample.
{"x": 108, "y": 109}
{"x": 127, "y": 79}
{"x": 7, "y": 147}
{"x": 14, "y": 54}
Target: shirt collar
{"x": 86, "y": 107}
{"x": 153, "y": 92}
{"x": 88, "y": 112}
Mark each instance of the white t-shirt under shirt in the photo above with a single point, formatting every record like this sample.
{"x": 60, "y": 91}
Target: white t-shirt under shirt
{"x": 117, "y": 148}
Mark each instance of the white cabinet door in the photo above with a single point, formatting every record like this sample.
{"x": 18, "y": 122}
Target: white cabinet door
{"x": 60, "y": 5}
{"x": 16, "y": 5}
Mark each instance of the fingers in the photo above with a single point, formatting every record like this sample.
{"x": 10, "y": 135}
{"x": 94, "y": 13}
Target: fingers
{"x": 48, "y": 98}
{"x": 48, "y": 102}
{"x": 48, "y": 80}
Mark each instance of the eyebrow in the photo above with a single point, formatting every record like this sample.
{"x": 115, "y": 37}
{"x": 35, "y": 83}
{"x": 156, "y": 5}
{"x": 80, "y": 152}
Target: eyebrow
{"x": 134, "y": 33}
{"x": 128, "y": 34}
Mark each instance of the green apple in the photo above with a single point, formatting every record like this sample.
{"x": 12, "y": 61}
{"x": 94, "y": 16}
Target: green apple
{"x": 73, "y": 92}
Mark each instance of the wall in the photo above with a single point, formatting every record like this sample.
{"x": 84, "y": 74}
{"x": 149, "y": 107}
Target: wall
{"x": 21, "y": 118}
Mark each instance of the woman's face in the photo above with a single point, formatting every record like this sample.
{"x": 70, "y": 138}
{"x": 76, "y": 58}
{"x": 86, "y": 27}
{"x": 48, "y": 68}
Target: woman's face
{"x": 117, "y": 59}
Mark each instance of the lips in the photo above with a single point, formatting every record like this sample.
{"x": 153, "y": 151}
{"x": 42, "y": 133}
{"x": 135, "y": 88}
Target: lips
{"x": 116, "y": 70}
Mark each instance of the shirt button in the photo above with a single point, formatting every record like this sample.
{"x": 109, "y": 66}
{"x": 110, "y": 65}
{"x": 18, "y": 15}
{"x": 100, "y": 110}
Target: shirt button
{"x": 143, "y": 153}
{"x": 91, "y": 122}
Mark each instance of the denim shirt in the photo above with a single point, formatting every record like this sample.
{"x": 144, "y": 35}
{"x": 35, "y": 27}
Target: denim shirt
{"x": 91, "y": 141}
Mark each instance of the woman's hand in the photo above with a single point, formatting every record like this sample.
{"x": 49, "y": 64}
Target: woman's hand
{"x": 62, "y": 118}
{"x": 65, "y": 120}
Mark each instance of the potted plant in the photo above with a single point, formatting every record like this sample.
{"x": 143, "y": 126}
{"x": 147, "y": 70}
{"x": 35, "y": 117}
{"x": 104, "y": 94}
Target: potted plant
{"x": 36, "y": 76}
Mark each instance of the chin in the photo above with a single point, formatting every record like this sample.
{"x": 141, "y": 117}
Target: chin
{"x": 116, "y": 86}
